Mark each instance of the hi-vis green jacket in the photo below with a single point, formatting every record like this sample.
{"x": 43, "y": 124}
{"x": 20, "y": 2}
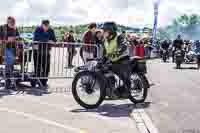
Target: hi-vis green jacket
{"x": 115, "y": 49}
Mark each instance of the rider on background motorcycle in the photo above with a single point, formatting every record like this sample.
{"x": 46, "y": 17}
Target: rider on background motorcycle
{"x": 115, "y": 50}
{"x": 197, "y": 46}
{"x": 177, "y": 45}
{"x": 165, "y": 46}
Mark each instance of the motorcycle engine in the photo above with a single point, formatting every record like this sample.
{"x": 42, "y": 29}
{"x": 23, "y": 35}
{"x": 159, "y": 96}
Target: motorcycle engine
{"x": 112, "y": 84}
{"x": 111, "y": 79}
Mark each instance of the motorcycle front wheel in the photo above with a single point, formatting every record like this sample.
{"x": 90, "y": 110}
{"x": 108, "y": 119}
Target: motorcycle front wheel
{"x": 88, "y": 89}
{"x": 139, "y": 88}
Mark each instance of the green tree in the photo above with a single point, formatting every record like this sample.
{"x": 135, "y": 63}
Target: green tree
{"x": 187, "y": 25}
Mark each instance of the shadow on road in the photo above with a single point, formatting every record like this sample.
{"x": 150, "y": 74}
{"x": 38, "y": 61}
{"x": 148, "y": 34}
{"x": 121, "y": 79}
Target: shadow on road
{"x": 26, "y": 89}
{"x": 192, "y": 63}
{"x": 187, "y": 68}
{"x": 23, "y": 89}
{"x": 3, "y": 93}
{"x": 113, "y": 110}
{"x": 165, "y": 62}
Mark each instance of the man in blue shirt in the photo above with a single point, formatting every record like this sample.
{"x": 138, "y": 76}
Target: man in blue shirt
{"x": 44, "y": 37}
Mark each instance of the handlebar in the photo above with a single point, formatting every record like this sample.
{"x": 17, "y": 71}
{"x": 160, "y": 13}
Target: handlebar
{"x": 93, "y": 59}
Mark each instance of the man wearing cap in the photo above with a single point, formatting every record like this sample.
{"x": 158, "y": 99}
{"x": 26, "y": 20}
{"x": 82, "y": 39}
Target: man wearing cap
{"x": 89, "y": 41}
{"x": 44, "y": 35}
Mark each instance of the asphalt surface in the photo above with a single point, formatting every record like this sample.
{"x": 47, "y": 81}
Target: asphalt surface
{"x": 175, "y": 97}
{"x": 35, "y": 112}
{"x": 172, "y": 105}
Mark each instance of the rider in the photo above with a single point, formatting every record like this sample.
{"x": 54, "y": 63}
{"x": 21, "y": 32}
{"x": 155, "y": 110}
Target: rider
{"x": 197, "y": 46}
{"x": 165, "y": 46}
{"x": 115, "y": 50}
{"x": 177, "y": 45}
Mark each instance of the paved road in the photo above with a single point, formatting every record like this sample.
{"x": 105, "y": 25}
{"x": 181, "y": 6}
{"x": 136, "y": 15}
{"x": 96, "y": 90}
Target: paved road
{"x": 58, "y": 113}
{"x": 34, "y": 112}
{"x": 174, "y": 100}
{"x": 172, "y": 105}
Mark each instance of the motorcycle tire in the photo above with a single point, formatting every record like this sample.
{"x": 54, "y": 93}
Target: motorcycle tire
{"x": 198, "y": 65}
{"x": 178, "y": 65}
{"x": 145, "y": 85}
{"x": 7, "y": 83}
{"x": 164, "y": 59}
{"x": 102, "y": 89}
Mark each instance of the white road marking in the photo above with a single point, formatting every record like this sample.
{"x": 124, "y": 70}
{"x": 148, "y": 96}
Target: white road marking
{"x": 142, "y": 128}
{"x": 70, "y": 109}
{"x": 143, "y": 121}
{"x": 148, "y": 122}
{"x": 43, "y": 120}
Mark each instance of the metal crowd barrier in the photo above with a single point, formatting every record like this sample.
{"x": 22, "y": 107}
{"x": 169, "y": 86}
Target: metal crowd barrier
{"x": 11, "y": 58}
{"x": 51, "y": 60}
{"x": 37, "y": 61}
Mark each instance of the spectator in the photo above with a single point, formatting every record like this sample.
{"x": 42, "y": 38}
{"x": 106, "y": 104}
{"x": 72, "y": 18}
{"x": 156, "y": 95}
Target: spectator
{"x": 99, "y": 42}
{"x": 123, "y": 35}
{"x": 89, "y": 39}
{"x": 71, "y": 48}
{"x": 9, "y": 33}
{"x": 140, "y": 49}
{"x": 45, "y": 35}
{"x": 66, "y": 35}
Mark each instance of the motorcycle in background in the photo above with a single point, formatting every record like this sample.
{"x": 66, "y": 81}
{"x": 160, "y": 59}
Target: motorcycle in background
{"x": 198, "y": 59}
{"x": 165, "y": 55}
{"x": 190, "y": 57}
{"x": 179, "y": 58}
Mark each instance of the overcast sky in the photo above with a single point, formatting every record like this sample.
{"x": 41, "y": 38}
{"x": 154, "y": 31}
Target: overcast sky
{"x": 128, "y": 12}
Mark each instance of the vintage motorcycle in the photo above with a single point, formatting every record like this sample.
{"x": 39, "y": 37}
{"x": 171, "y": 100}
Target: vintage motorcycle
{"x": 165, "y": 55}
{"x": 95, "y": 81}
{"x": 190, "y": 57}
{"x": 179, "y": 57}
{"x": 197, "y": 54}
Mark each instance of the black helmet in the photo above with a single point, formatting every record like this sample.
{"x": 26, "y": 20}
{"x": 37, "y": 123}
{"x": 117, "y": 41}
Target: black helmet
{"x": 111, "y": 26}
{"x": 179, "y": 36}
{"x": 197, "y": 41}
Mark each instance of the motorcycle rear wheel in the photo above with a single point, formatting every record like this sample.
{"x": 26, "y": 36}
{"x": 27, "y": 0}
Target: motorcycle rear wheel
{"x": 89, "y": 90}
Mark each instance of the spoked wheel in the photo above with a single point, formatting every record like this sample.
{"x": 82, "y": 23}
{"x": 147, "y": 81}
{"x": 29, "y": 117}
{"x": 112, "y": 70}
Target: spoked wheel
{"x": 139, "y": 88}
{"x": 88, "y": 89}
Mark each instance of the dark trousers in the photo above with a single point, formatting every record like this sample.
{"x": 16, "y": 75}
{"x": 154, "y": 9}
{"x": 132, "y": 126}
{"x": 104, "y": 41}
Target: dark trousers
{"x": 42, "y": 65}
{"x": 81, "y": 54}
{"x": 70, "y": 56}
{"x": 122, "y": 69}
{"x": 173, "y": 56}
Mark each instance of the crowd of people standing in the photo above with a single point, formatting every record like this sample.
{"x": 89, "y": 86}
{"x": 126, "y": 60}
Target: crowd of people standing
{"x": 93, "y": 41}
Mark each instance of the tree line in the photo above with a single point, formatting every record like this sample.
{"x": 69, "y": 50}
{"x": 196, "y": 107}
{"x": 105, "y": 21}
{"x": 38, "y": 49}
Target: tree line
{"x": 186, "y": 25}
